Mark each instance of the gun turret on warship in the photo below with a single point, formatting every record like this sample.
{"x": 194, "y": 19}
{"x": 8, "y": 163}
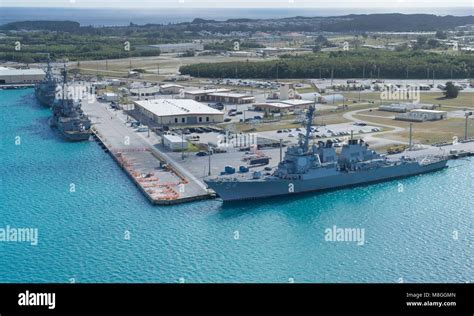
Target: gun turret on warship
{"x": 45, "y": 91}
{"x": 68, "y": 117}
{"x": 319, "y": 167}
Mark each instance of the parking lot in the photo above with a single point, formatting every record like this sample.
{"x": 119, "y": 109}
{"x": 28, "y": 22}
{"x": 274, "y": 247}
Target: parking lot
{"x": 336, "y": 132}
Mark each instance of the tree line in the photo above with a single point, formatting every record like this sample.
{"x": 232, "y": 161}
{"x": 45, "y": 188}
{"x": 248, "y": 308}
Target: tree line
{"x": 360, "y": 63}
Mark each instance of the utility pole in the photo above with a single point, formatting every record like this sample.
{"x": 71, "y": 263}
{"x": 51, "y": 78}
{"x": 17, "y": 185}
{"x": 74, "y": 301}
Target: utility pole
{"x": 410, "y": 144}
{"x": 332, "y": 75}
{"x": 281, "y": 149}
{"x": 209, "y": 154}
{"x": 465, "y": 124}
{"x": 182, "y": 142}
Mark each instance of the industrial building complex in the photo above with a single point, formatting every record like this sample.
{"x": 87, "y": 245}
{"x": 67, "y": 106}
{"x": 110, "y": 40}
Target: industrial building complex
{"x": 178, "y": 111}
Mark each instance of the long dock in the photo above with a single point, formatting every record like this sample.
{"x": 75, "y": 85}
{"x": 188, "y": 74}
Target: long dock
{"x": 161, "y": 180}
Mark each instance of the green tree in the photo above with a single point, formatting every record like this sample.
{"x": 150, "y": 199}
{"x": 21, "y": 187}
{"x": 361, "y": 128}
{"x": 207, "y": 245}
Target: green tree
{"x": 316, "y": 48}
{"x": 451, "y": 91}
{"x": 420, "y": 41}
{"x": 432, "y": 43}
{"x": 441, "y": 35}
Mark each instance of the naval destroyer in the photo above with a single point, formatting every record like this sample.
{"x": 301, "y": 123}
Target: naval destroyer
{"x": 45, "y": 90}
{"x": 318, "y": 167}
{"x": 68, "y": 117}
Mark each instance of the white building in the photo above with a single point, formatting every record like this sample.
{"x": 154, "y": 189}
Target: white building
{"x": 178, "y": 111}
{"x": 240, "y": 53}
{"x": 283, "y": 106}
{"x": 21, "y": 76}
{"x": 178, "y": 48}
{"x": 174, "y": 142}
{"x": 171, "y": 89}
{"x": 422, "y": 115}
{"x": 145, "y": 91}
{"x": 405, "y": 107}
{"x": 110, "y": 97}
{"x": 202, "y": 95}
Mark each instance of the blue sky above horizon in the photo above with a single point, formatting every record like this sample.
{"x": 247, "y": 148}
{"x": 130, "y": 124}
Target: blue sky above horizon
{"x": 139, "y": 4}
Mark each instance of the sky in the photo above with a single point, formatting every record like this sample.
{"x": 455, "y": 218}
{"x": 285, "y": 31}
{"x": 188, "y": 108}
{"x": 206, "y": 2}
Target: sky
{"x": 239, "y": 3}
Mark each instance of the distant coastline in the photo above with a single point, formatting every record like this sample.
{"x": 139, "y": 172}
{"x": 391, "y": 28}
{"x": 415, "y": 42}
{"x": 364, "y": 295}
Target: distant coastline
{"x": 122, "y": 17}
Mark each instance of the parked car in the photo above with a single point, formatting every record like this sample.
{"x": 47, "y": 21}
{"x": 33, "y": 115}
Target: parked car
{"x": 201, "y": 154}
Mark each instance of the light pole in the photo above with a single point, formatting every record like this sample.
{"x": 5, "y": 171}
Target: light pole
{"x": 467, "y": 114}
{"x": 209, "y": 154}
{"x": 182, "y": 142}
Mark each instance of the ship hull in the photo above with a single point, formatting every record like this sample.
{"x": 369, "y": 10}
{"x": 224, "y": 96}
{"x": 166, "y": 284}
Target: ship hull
{"x": 44, "y": 100}
{"x": 254, "y": 189}
{"x": 75, "y": 136}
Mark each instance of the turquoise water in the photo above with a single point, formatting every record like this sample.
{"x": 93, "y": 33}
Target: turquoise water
{"x": 408, "y": 234}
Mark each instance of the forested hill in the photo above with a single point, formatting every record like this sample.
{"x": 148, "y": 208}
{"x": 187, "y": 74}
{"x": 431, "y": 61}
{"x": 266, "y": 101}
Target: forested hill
{"x": 397, "y": 22}
{"x": 393, "y": 22}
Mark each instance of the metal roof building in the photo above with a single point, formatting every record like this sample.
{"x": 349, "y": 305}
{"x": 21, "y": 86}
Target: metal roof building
{"x": 21, "y": 76}
{"x": 178, "y": 111}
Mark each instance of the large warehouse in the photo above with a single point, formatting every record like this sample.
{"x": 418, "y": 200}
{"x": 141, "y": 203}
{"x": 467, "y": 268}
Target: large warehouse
{"x": 20, "y": 76}
{"x": 179, "y": 47}
{"x": 219, "y": 95}
{"x": 178, "y": 111}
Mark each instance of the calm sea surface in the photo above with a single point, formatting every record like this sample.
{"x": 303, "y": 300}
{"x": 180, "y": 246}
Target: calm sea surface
{"x": 111, "y": 16}
{"x": 408, "y": 235}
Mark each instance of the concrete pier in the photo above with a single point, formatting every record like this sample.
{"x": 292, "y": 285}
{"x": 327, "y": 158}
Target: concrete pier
{"x": 160, "y": 179}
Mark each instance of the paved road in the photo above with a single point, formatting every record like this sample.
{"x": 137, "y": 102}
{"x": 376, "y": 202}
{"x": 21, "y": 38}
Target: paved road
{"x": 372, "y": 139}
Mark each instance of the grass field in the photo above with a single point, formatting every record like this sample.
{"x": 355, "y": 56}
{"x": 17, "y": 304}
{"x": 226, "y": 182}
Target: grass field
{"x": 464, "y": 99}
{"x": 425, "y": 132}
{"x": 166, "y": 64}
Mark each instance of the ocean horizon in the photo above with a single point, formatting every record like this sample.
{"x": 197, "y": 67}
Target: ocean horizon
{"x": 122, "y": 17}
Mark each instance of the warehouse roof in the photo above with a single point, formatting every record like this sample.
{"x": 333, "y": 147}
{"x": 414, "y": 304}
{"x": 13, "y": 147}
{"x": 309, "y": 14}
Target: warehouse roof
{"x": 274, "y": 104}
{"x": 208, "y": 91}
{"x": 428, "y": 111}
{"x": 176, "y": 107}
{"x": 165, "y": 86}
{"x": 297, "y": 102}
{"x": 229, "y": 95}
{"x": 174, "y": 139}
{"x": 20, "y": 72}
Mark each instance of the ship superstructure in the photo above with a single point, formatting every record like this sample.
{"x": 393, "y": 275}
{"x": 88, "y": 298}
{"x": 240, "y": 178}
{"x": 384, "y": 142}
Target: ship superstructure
{"x": 68, "y": 117}
{"x": 318, "y": 167}
{"x": 45, "y": 91}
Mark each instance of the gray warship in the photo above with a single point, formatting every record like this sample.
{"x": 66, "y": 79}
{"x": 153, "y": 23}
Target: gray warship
{"x": 319, "y": 167}
{"x": 68, "y": 117}
{"x": 45, "y": 90}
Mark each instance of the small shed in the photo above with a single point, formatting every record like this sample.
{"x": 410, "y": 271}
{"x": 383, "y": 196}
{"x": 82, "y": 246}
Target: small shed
{"x": 174, "y": 142}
